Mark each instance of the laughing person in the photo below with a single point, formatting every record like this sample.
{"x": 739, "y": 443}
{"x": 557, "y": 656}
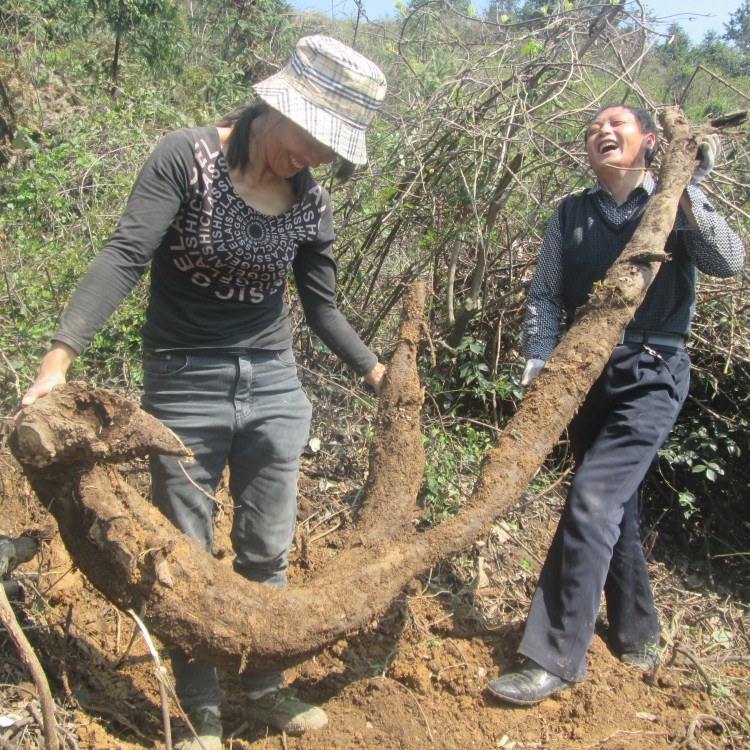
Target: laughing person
{"x": 629, "y": 411}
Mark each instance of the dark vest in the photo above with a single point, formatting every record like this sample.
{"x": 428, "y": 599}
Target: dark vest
{"x": 591, "y": 244}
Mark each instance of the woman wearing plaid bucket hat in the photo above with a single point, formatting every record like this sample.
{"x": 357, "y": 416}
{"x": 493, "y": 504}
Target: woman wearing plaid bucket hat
{"x": 223, "y": 214}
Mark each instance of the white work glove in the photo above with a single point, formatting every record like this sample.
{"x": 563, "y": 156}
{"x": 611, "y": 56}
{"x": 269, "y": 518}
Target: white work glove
{"x": 530, "y": 372}
{"x": 708, "y": 149}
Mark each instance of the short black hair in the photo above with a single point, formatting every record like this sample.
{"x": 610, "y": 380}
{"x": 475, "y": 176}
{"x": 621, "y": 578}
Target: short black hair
{"x": 645, "y": 121}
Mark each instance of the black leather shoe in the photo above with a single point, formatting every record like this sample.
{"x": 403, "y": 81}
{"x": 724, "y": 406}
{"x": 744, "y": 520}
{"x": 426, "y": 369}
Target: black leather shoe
{"x": 529, "y": 685}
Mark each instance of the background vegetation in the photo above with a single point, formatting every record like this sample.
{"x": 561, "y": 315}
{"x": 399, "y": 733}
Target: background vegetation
{"x": 479, "y": 139}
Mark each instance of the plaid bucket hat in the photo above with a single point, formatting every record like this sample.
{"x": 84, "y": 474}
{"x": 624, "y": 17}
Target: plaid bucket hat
{"x": 329, "y": 90}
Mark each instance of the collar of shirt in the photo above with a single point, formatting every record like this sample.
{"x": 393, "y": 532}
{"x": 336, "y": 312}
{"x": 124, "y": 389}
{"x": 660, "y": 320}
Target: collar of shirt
{"x": 619, "y": 214}
{"x": 648, "y": 186}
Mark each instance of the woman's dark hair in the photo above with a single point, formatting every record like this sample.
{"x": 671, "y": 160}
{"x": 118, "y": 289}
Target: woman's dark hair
{"x": 238, "y": 146}
{"x": 343, "y": 169}
{"x": 645, "y": 121}
{"x": 241, "y": 120}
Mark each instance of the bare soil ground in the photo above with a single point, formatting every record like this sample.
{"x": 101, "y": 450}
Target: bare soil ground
{"x": 417, "y": 677}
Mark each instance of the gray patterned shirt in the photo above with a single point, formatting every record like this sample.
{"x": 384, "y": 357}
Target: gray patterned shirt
{"x": 219, "y": 268}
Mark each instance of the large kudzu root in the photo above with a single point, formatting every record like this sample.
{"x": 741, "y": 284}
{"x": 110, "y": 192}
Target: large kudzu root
{"x": 68, "y": 440}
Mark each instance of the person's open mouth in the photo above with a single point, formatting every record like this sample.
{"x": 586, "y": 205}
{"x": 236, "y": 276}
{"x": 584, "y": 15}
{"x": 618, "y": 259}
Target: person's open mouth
{"x": 607, "y": 146}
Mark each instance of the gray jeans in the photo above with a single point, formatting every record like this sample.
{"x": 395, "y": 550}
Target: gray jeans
{"x": 248, "y": 412}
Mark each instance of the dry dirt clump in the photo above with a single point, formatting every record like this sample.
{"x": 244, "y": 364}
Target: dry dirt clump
{"x": 415, "y": 679}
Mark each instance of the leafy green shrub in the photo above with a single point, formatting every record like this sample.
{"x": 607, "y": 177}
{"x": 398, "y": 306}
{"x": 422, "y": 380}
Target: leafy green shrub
{"x": 62, "y": 198}
{"x": 453, "y": 455}
{"x": 463, "y": 379}
{"x": 701, "y": 450}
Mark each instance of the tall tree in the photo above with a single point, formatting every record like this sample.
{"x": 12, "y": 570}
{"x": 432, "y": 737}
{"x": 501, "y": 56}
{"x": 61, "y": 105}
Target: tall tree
{"x": 125, "y": 16}
{"x": 737, "y": 30}
{"x": 722, "y": 57}
{"x": 678, "y": 46}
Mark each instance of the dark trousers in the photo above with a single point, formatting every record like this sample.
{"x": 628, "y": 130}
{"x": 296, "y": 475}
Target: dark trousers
{"x": 597, "y": 548}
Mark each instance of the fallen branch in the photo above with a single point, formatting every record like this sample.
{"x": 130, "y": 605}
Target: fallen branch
{"x": 691, "y": 742}
{"x": 696, "y": 663}
{"x": 12, "y": 553}
{"x": 164, "y": 683}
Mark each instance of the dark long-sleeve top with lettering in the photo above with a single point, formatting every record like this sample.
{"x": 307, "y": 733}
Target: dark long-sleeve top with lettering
{"x": 218, "y": 266}
{"x": 714, "y": 249}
